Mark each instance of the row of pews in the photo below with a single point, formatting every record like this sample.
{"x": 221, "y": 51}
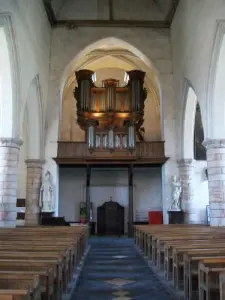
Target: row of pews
{"x": 192, "y": 257}
{"x": 38, "y": 263}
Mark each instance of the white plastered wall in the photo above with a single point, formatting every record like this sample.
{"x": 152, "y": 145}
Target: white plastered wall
{"x": 193, "y": 35}
{"x": 194, "y": 39}
{"x": 106, "y": 183}
{"x": 30, "y": 33}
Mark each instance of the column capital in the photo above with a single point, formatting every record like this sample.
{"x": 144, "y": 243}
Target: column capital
{"x": 11, "y": 142}
{"x": 185, "y": 162}
{"x": 214, "y": 143}
{"x": 34, "y": 163}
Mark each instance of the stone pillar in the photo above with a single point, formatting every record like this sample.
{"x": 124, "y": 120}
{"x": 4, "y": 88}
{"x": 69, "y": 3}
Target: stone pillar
{"x": 9, "y": 158}
{"x": 216, "y": 179}
{"x": 34, "y": 177}
{"x": 186, "y": 168}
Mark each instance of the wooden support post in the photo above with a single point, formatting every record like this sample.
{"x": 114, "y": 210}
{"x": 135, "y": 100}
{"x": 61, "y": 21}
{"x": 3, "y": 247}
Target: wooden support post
{"x": 131, "y": 200}
{"x": 111, "y": 17}
{"x": 88, "y": 182}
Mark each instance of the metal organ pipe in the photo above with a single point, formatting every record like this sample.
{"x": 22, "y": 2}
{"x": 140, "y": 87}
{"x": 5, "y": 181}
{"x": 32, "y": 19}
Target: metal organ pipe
{"x": 131, "y": 135}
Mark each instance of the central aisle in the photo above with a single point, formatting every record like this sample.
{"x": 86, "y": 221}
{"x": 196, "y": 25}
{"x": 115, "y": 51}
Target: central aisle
{"x": 114, "y": 270}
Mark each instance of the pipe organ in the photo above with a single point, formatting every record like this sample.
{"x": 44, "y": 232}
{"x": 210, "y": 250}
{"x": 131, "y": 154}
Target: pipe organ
{"x": 110, "y": 115}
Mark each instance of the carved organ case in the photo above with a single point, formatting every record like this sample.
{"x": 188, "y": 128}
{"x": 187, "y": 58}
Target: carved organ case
{"x": 111, "y": 116}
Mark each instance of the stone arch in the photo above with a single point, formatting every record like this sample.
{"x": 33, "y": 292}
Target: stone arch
{"x": 216, "y": 88}
{"x": 9, "y": 83}
{"x": 110, "y": 41}
{"x": 34, "y": 120}
{"x": 188, "y": 121}
{"x": 74, "y": 63}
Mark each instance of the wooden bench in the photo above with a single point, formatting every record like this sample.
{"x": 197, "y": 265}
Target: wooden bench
{"x": 209, "y": 278}
{"x": 191, "y": 262}
{"x": 50, "y": 253}
{"x": 14, "y": 282}
{"x": 178, "y": 249}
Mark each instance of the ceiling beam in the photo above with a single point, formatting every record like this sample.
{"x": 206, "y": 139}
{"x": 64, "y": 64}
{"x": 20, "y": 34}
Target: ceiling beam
{"x": 111, "y": 16}
{"x": 50, "y": 12}
{"x": 172, "y": 11}
{"x": 111, "y": 23}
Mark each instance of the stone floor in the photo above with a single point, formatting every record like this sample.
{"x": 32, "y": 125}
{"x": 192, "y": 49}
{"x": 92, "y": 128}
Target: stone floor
{"x": 113, "y": 269}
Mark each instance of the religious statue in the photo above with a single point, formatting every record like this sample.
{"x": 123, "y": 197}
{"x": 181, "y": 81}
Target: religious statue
{"x": 176, "y": 194}
{"x": 46, "y": 194}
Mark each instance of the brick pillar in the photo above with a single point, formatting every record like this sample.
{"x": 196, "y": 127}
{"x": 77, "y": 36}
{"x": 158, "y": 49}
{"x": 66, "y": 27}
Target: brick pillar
{"x": 186, "y": 168}
{"x": 34, "y": 177}
{"x": 216, "y": 177}
{"x": 9, "y": 158}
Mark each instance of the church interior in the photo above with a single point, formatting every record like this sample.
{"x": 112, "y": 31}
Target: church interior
{"x": 112, "y": 149}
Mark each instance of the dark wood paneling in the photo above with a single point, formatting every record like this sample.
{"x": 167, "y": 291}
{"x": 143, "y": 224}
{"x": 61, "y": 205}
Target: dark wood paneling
{"x": 78, "y": 153}
{"x": 20, "y": 202}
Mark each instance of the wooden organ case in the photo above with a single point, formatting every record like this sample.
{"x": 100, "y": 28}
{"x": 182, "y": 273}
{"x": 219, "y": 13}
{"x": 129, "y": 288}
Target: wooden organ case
{"x": 111, "y": 116}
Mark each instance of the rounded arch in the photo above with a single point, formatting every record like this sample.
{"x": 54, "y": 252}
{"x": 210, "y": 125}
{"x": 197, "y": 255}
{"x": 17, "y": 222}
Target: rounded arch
{"x": 188, "y": 121}
{"x": 216, "y": 88}
{"x": 34, "y": 110}
{"x": 9, "y": 79}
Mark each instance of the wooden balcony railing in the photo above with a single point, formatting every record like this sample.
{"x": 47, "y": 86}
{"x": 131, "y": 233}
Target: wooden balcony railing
{"x": 72, "y": 152}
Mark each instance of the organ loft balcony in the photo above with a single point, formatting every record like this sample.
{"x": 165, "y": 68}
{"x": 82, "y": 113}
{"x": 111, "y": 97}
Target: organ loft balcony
{"x": 111, "y": 117}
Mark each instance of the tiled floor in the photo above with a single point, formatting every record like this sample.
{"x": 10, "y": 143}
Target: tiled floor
{"x": 114, "y": 270}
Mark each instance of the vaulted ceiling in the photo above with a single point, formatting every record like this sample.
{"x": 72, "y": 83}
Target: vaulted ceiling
{"x": 111, "y": 13}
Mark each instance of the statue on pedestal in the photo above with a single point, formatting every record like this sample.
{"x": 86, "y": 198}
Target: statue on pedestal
{"x": 176, "y": 194}
{"x": 46, "y": 194}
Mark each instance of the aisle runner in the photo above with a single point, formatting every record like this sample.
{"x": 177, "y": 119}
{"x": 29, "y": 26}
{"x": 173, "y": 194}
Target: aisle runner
{"x": 114, "y": 270}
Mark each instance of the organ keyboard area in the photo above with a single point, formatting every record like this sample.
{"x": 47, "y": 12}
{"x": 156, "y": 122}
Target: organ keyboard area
{"x": 110, "y": 115}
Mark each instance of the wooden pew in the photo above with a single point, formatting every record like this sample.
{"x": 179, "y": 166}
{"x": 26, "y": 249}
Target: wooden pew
{"x": 40, "y": 256}
{"x": 191, "y": 262}
{"x": 21, "y": 294}
{"x": 12, "y": 281}
{"x": 38, "y": 251}
{"x": 178, "y": 258}
{"x": 209, "y": 276}
{"x": 183, "y": 247}
{"x": 222, "y": 285}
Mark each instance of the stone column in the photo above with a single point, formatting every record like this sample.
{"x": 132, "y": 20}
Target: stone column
{"x": 34, "y": 177}
{"x": 216, "y": 179}
{"x": 9, "y": 158}
{"x": 186, "y": 168}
